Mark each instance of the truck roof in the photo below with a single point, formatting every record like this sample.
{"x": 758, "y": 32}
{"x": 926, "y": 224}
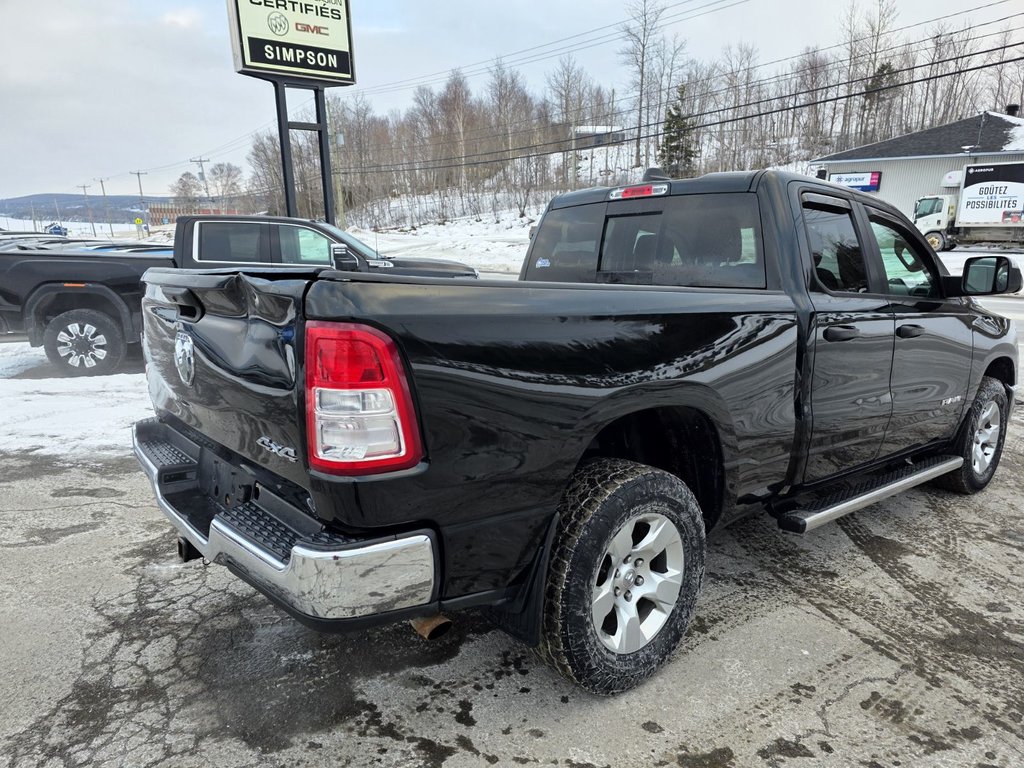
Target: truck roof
{"x": 712, "y": 183}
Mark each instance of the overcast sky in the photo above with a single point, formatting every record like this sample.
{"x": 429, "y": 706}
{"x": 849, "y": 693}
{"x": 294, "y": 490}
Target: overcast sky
{"x": 100, "y": 88}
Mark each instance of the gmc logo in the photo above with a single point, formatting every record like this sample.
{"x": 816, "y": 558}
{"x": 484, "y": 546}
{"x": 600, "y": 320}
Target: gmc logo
{"x": 301, "y": 26}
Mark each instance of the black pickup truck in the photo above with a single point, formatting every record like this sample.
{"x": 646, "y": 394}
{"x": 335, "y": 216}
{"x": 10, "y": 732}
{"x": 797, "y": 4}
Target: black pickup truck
{"x": 366, "y": 448}
{"x": 81, "y": 301}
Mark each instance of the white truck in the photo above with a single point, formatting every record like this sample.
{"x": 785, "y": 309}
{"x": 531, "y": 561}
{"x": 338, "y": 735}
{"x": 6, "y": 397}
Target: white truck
{"x": 987, "y": 207}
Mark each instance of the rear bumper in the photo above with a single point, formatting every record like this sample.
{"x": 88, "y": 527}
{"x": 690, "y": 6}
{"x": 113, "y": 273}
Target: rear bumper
{"x": 319, "y": 576}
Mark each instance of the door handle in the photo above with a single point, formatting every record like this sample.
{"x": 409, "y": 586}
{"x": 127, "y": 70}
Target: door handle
{"x": 189, "y": 307}
{"x": 841, "y": 333}
{"x": 909, "y": 331}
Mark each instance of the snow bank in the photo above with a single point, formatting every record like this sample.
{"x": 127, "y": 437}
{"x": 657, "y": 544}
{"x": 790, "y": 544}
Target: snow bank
{"x": 75, "y": 228}
{"x": 486, "y": 245}
{"x": 82, "y": 417}
{"x": 15, "y": 358}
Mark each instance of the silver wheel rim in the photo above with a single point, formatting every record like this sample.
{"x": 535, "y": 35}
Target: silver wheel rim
{"x": 81, "y": 345}
{"x": 986, "y": 438}
{"x": 637, "y": 582}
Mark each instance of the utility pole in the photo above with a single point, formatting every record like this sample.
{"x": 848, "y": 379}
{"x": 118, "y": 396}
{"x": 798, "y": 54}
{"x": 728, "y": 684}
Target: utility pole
{"x": 85, "y": 194}
{"x": 339, "y": 190}
{"x": 106, "y": 205}
{"x": 202, "y": 176}
{"x": 142, "y": 198}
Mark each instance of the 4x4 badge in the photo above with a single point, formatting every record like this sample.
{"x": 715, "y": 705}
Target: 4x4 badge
{"x": 185, "y": 357}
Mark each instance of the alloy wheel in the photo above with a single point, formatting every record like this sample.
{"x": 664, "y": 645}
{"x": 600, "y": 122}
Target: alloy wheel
{"x": 638, "y": 582}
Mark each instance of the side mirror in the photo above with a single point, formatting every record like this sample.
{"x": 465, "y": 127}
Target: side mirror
{"x": 343, "y": 259}
{"x": 988, "y": 275}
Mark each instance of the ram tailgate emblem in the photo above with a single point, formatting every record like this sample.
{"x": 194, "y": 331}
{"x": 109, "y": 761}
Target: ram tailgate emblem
{"x": 185, "y": 357}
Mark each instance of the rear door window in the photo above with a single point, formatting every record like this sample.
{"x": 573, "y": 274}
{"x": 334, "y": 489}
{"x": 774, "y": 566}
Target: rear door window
{"x": 839, "y": 263}
{"x": 682, "y": 240}
{"x": 230, "y": 241}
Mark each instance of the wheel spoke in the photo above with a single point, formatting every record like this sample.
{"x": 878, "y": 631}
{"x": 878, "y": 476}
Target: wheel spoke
{"x": 621, "y": 545}
{"x": 603, "y": 603}
{"x": 101, "y": 339}
{"x": 99, "y": 354}
{"x": 75, "y": 359}
{"x": 90, "y": 361}
{"x": 661, "y": 535}
{"x": 662, "y": 589}
{"x": 63, "y": 337}
{"x": 629, "y": 636}
{"x": 89, "y": 330}
{"x": 64, "y": 351}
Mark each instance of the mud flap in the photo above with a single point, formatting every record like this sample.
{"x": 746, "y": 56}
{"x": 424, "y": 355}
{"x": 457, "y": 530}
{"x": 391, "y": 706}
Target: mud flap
{"x": 523, "y": 616}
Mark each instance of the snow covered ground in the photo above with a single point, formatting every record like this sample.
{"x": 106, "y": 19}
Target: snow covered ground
{"x": 484, "y": 245}
{"x": 75, "y": 228}
{"x": 86, "y": 417}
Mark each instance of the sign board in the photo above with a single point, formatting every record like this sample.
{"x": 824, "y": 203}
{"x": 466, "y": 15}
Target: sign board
{"x": 869, "y": 181}
{"x": 992, "y": 195}
{"x": 295, "y": 40}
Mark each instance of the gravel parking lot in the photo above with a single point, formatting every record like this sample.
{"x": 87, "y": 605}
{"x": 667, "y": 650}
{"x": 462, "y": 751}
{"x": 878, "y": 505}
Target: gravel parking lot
{"x": 894, "y": 637}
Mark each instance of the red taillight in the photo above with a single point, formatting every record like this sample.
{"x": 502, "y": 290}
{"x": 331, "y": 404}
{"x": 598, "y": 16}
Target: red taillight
{"x": 643, "y": 190}
{"x": 360, "y": 418}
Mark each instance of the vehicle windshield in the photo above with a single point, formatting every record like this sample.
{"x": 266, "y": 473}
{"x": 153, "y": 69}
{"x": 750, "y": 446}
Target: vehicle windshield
{"x": 352, "y": 241}
{"x": 927, "y": 206}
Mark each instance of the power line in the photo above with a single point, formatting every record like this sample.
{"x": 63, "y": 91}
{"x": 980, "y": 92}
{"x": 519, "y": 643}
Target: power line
{"x": 726, "y": 121}
{"x": 668, "y": 21}
{"x": 497, "y": 155}
{"x": 531, "y": 123}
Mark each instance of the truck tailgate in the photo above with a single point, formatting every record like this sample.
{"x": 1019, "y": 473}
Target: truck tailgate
{"x": 221, "y": 357}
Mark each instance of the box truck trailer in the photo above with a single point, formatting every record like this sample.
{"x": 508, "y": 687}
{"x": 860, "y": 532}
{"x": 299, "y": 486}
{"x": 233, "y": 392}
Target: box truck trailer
{"x": 986, "y": 208}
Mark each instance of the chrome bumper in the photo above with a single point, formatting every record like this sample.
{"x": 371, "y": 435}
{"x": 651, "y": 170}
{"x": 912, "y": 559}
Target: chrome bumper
{"x": 318, "y": 581}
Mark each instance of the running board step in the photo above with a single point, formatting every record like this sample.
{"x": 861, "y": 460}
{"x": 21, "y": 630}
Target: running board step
{"x": 866, "y": 493}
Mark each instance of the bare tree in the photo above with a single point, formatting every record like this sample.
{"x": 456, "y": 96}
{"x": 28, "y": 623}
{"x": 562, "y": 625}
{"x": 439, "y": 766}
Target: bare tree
{"x": 186, "y": 190}
{"x": 637, "y": 54}
{"x": 568, "y": 85}
{"x": 225, "y": 183}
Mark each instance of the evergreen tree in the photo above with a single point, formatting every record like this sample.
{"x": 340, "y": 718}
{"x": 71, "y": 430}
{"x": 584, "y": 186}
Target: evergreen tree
{"x": 679, "y": 149}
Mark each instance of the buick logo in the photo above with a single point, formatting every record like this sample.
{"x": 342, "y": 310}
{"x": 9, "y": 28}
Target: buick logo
{"x": 278, "y": 23}
{"x": 185, "y": 357}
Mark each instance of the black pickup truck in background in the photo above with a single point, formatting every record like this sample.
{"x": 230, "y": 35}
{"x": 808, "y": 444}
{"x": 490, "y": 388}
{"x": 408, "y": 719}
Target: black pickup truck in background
{"x": 676, "y": 355}
{"x": 81, "y": 301}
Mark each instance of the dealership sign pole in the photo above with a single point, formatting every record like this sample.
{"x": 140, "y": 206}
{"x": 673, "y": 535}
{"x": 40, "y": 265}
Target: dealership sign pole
{"x": 303, "y": 44}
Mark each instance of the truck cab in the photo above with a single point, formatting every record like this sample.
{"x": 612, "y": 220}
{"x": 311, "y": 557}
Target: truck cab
{"x": 218, "y": 242}
{"x": 934, "y": 216}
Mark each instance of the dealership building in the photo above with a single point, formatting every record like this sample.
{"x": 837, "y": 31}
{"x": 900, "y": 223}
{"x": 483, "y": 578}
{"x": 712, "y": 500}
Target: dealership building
{"x": 928, "y": 162}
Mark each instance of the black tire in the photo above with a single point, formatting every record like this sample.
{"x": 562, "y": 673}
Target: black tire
{"x": 968, "y": 479}
{"x": 604, "y": 497}
{"x": 84, "y": 342}
{"x": 937, "y": 240}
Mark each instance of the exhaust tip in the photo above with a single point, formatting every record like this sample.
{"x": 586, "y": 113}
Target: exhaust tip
{"x": 431, "y": 627}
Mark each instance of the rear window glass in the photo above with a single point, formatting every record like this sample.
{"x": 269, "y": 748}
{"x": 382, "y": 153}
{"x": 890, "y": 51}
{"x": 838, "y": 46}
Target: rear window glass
{"x": 683, "y": 240}
{"x": 229, "y": 241}
{"x": 565, "y": 246}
